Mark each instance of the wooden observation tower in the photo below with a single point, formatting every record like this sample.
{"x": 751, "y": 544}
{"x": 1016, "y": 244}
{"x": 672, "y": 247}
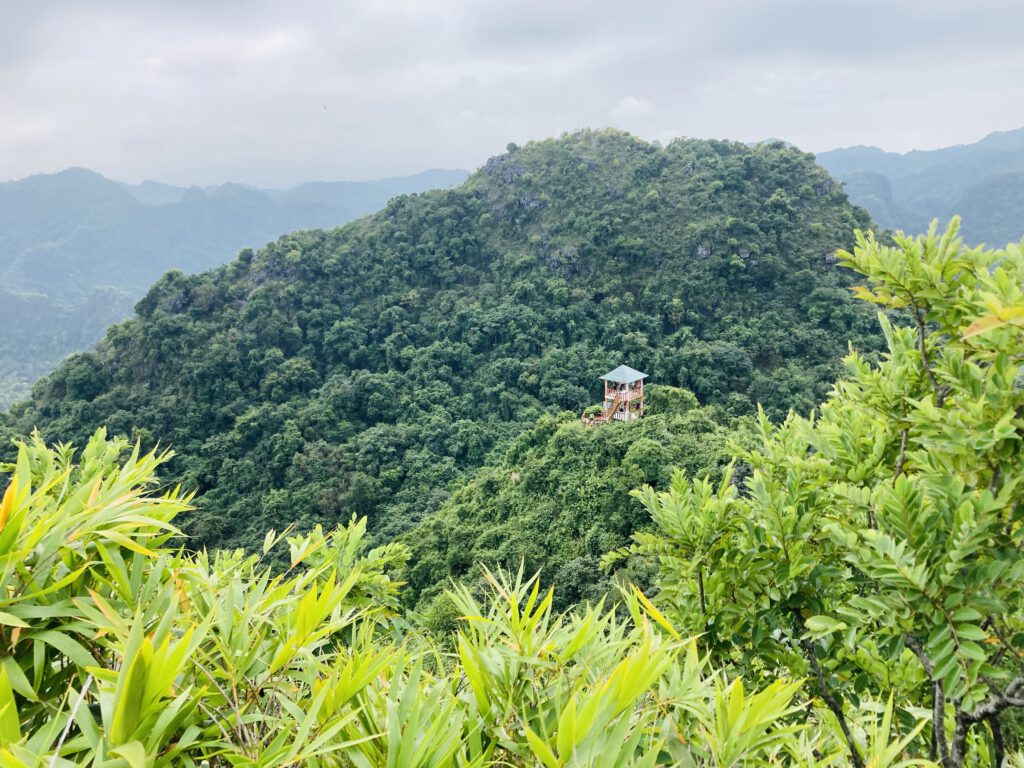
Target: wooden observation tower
{"x": 623, "y": 396}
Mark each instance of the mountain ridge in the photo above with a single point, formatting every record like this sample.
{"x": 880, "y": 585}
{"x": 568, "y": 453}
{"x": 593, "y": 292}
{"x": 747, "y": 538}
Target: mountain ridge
{"x": 87, "y": 247}
{"x": 939, "y": 183}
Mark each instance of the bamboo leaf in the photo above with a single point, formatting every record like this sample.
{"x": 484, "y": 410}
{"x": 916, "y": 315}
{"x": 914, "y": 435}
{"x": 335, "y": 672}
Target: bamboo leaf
{"x": 10, "y": 724}
{"x": 133, "y": 752}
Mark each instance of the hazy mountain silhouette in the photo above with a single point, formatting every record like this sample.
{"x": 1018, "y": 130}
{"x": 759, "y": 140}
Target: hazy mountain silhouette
{"x": 77, "y": 249}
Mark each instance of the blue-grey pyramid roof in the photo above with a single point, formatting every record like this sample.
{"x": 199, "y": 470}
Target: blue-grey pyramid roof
{"x": 624, "y": 375}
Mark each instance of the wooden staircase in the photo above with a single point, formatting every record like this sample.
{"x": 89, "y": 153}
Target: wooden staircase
{"x": 607, "y": 414}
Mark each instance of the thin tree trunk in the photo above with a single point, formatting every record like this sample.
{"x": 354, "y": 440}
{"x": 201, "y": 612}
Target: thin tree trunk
{"x": 939, "y": 749}
{"x": 833, "y": 704}
{"x": 959, "y": 747}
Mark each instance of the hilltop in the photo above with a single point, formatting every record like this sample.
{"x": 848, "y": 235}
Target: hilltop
{"x": 373, "y": 368}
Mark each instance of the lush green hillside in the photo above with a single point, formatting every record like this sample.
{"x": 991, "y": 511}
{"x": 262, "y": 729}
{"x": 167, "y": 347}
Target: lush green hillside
{"x": 369, "y": 369}
{"x": 559, "y": 498}
{"x": 77, "y": 250}
{"x": 850, "y": 592}
{"x": 981, "y": 182}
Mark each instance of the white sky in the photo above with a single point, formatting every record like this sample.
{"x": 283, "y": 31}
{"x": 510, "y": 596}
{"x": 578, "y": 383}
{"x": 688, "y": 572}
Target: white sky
{"x": 274, "y": 93}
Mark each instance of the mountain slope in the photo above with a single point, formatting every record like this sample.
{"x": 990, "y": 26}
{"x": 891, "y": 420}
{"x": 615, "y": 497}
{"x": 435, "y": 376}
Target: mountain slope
{"x": 72, "y": 243}
{"x": 979, "y": 181}
{"x": 371, "y": 368}
{"x": 993, "y": 209}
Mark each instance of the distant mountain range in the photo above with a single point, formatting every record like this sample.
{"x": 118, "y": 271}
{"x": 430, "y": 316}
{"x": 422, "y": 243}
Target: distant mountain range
{"x": 77, "y": 250}
{"x": 983, "y": 182}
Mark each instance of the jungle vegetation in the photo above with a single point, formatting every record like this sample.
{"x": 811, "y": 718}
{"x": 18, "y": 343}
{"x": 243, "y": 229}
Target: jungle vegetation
{"x": 559, "y": 498}
{"x": 373, "y": 369}
{"x": 847, "y": 590}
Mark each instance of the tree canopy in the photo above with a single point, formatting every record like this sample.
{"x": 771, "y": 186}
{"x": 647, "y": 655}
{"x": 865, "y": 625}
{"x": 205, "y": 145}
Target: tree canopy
{"x": 375, "y": 367}
{"x": 559, "y": 498}
{"x": 832, "y": 588}
{"x": 875, "y": 546}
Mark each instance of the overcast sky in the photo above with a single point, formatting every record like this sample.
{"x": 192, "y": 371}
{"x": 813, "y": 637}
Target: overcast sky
{"x": 275, "y": 93}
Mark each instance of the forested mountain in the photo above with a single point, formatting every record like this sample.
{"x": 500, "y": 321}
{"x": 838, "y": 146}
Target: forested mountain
{"x": 983, "y": 182}
{"x": 77, "y": 250}
{"x": 369, "y": 369}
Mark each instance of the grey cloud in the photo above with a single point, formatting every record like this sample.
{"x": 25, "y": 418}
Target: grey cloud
{"x": 261, "y": 92}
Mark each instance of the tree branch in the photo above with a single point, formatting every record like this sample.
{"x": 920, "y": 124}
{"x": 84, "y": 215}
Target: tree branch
{"x": 939, "y": 749}
{"x": 1012, "y": 696}
{"x": 902, "y": 460}
{"x": 913, "y": 644}
{"x": 993, "y": 483}
{"x": 940, "y": 391}
{"x": 832, "y": 703}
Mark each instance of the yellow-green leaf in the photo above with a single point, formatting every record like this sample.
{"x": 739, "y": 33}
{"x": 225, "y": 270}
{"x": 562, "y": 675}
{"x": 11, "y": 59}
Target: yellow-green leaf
{"x": 10, "y": 725}
{"x": 655, "y": 613}
{"x": 1006, "y": 316}
{"x": 133, "y": 752}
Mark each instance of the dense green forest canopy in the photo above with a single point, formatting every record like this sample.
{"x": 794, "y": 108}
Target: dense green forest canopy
{"x": 370, "y": 368}
{"x": 848, "y": 591}
{"x": 559, "y": 498}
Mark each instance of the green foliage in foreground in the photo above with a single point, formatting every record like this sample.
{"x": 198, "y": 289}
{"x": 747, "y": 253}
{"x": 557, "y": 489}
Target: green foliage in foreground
{"x": 120, "y": 651}
{"x": 876, "y": 548}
